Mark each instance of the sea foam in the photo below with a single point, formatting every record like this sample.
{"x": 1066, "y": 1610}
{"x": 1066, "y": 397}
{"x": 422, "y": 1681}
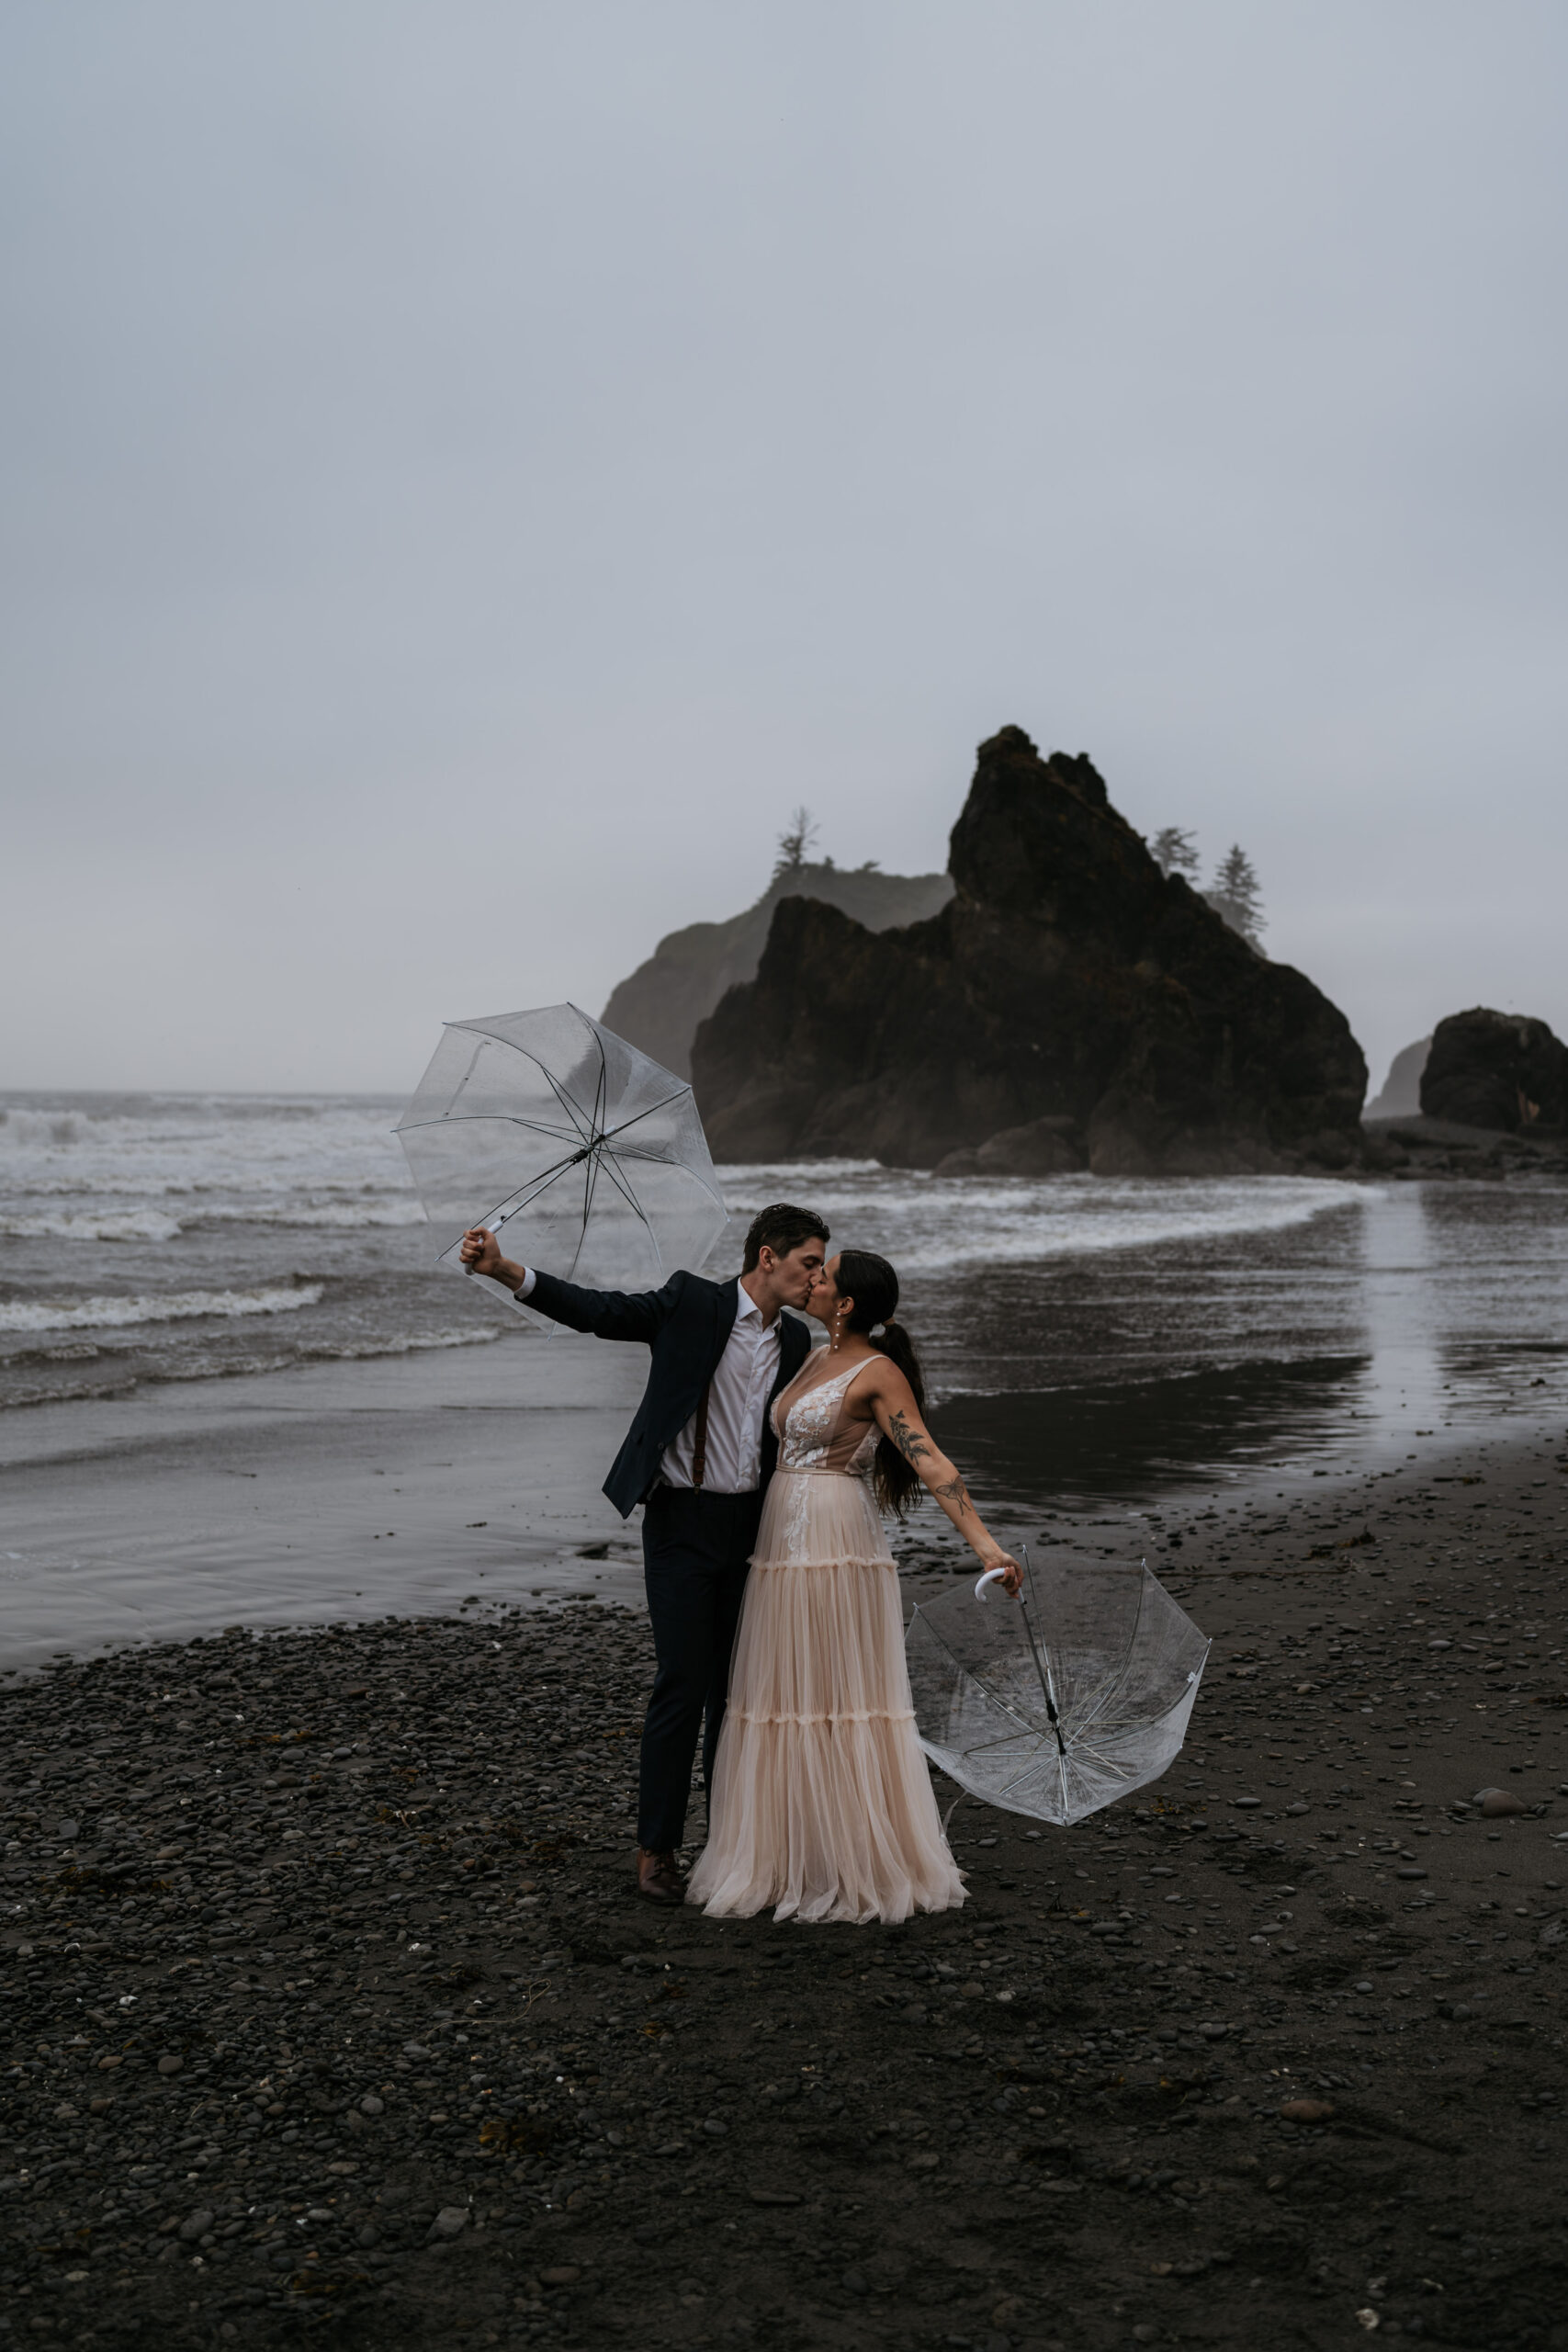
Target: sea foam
{"x": 937, "y": 1225}
{"x": 107, "y": 1314}
{"x": 91, "y": 1224}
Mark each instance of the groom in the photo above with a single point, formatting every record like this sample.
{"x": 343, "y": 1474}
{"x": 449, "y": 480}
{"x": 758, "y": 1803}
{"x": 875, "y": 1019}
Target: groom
{"x": 698, "y": 1455}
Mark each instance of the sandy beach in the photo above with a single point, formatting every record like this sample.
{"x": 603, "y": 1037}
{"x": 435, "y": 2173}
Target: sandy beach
{"x": 337, "y": 2013}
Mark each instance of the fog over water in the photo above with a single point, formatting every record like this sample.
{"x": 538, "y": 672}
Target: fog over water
{"x": 469, "y": 472}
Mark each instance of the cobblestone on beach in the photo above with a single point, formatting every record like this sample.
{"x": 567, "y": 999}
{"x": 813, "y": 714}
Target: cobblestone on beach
{"x": 330, "y": 2013}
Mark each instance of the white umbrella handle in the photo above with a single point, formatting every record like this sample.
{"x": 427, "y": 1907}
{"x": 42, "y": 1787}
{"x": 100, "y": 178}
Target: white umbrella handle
{"x": 990, "y": 1577}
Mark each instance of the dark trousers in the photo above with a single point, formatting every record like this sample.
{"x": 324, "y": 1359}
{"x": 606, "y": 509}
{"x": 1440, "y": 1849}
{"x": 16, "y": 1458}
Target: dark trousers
{"x": 696, "y": 1548}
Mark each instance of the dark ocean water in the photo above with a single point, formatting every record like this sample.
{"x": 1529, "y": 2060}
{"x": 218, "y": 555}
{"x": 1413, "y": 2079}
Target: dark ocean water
{"x": 1082, "y": 1335}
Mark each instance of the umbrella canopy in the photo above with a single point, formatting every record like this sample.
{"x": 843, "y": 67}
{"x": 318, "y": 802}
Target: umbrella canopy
{"x": 547, "y": 1121}
{"x": 1062, "y": 1701}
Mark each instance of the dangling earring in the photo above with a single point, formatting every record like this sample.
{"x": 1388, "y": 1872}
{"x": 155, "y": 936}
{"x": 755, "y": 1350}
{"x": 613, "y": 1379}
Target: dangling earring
{"x": 838, "y": 1330}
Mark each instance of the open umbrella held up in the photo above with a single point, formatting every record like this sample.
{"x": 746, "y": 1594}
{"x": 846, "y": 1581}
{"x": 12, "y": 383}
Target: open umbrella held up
{"x": 1063, "y": 1701}
{"x": 548, "y": 1117}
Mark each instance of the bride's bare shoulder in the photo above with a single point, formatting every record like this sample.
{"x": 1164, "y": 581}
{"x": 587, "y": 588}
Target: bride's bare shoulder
{"x": 884, "y": 1381}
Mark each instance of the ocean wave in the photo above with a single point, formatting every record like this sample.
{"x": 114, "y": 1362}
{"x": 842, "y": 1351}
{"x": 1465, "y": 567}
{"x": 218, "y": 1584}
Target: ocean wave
{"x": 276, "y": 1150}
{"x": 64, "y": 1389}
{"x": 751, "y": 1176}
{"x": 91, "y": 1224}
{"x": 939, "y": 1225}
{"x": 343, "y": 1216}
{"x": 175, "y": 1306}
{"x": 411, "y": 1344}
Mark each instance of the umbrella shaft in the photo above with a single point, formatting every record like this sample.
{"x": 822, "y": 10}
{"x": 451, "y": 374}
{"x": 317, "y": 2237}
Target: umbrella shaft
{"x": 1044, "y": 1672}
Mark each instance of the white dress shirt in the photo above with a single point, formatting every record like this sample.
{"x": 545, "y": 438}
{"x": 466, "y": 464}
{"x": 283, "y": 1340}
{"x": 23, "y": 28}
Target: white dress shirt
{"x": 737, "y": 1398}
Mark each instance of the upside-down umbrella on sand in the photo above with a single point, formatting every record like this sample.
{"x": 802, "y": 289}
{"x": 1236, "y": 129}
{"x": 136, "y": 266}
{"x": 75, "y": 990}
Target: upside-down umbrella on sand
{"x": 1062, "y": 1701}
{"x": 548, "y": 1117}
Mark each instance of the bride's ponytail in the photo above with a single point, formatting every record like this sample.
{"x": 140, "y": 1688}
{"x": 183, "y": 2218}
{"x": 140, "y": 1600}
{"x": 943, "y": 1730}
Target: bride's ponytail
{"x": 871, "y": 1281}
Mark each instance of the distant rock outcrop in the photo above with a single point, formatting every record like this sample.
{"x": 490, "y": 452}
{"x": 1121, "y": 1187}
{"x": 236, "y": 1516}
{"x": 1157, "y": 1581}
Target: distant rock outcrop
{"x": 1498, "y": 1070}
{"x": 1071, "y": 1006}
{"x": 1400, "y": 1096}
{"x": 659, "y": 1006}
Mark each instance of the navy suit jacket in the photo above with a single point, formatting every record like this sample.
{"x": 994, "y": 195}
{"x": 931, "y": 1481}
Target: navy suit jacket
{"x": 687, "y": 1326}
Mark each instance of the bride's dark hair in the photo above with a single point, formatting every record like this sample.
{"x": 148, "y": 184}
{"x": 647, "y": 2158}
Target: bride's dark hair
{"x": 871, "y": 1281}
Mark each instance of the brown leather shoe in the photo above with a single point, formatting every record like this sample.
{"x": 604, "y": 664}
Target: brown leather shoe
{"x": 657, "y": 1878}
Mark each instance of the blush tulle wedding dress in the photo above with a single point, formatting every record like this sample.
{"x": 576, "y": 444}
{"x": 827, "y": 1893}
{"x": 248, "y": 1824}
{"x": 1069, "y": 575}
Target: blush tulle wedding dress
{"x": 821, "y": 1804}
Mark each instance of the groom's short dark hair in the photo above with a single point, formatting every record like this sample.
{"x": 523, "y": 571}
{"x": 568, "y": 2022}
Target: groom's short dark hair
{"x": 781, "y": 1229}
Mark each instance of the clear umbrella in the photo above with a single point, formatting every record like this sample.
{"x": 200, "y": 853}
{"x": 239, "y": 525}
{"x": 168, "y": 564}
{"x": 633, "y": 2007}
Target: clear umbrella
{"x": 1063, "y": 1701}
{"x": 548, "y": 1121}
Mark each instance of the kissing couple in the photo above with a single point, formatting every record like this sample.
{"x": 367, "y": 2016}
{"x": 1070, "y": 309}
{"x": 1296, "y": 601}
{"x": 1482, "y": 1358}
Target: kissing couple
{"x": 765, "y": 1466}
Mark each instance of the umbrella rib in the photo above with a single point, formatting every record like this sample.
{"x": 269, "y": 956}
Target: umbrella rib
{"x": 590, "y": 1161}
{"x": 1110, "y": 1681}
{"x": 512, "y": 1118}
{"x": 1097, "y": 1698}
{"x": 1105, "y": 1763}
{"x": 978, "y": 1680}
{"x": 670, "y": 1158}
{"x": 662, "y": 1104}
{"x": 1008, "y": 1786}
{"x": 509, "y": 1206}
{"x": 622, "y": 1182}
{"x": 573, "y": 1111}
{"x": 1008, "y": 1739}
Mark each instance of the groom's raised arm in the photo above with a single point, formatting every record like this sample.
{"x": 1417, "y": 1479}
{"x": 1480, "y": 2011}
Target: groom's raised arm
{"x": 607, "y": 1313}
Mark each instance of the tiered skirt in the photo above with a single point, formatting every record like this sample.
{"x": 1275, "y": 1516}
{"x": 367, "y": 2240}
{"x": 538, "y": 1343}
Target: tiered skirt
{"x": 822, "y": 1806}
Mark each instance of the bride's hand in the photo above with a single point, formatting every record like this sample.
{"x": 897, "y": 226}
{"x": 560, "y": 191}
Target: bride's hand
{"x": 1013, "y": 1575}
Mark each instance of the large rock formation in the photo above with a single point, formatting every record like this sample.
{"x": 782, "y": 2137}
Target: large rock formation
{"x": 1498, "y": 1070}
{"x": 1070, "y": 1006}
{"x": 659, "y": 1006}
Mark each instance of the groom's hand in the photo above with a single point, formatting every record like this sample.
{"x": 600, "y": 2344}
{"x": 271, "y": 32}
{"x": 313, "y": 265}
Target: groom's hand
{"x": 480, "y": 1253}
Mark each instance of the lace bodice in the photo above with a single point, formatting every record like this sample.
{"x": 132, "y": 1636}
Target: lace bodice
{"x": 813, "y": 1431}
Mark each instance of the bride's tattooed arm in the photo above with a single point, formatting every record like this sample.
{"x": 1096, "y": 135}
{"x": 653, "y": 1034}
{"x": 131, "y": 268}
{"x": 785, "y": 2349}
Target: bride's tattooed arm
{"x": 953, "y": 1490}
{"x": 894, "y": 1408}
{"x": 910, "y": 1442}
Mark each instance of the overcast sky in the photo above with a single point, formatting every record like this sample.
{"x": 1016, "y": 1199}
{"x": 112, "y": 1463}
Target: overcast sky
{"x": 470, "y": 470}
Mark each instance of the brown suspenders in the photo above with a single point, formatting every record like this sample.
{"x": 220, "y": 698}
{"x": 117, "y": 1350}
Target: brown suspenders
{"x": 699, "y": 1452}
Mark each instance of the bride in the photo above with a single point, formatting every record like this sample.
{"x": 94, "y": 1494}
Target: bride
{"x": 821, "y": 1804}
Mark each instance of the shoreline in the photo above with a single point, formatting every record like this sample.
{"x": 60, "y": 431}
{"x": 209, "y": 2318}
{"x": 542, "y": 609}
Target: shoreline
{"x": 435, "y": 1484}
{"x": 338, "y": 2008}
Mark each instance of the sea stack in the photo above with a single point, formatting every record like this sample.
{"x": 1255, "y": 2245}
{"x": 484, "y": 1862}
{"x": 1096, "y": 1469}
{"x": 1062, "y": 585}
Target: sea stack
{"x": 1070, "y": 1006}
{"x": 1501, "y": 1070}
